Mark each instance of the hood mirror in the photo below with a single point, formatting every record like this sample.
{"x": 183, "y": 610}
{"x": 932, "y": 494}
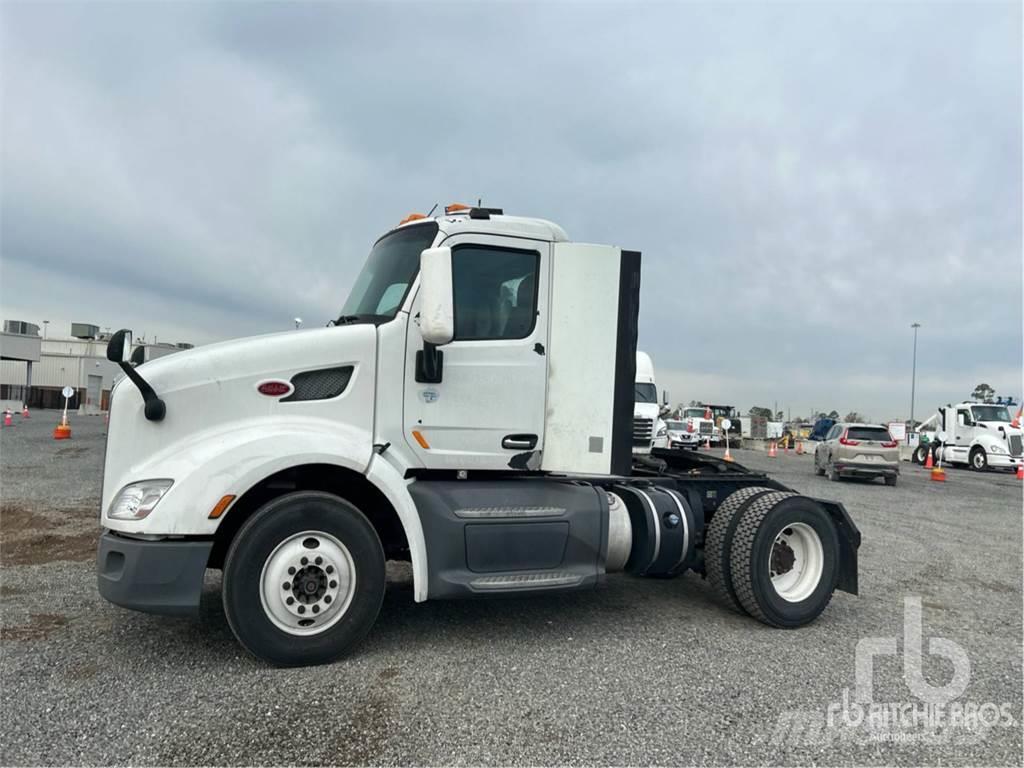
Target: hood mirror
{"x": 119, "y": 348}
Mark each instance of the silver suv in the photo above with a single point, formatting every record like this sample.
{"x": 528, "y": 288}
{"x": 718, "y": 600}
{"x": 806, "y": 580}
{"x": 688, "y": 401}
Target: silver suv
{"x": 858, "y": 450}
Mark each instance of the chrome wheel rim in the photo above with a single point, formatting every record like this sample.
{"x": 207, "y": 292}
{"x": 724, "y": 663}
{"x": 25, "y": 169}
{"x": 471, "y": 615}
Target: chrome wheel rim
{"x": 796, "y": 562}
{"x": 307, "y": 583}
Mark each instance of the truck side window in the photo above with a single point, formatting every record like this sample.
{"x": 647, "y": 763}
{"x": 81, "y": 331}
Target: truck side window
{"x": 495, "y": 292}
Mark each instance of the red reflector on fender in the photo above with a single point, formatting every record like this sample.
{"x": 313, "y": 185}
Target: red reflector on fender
{"x": 274, "y": 388}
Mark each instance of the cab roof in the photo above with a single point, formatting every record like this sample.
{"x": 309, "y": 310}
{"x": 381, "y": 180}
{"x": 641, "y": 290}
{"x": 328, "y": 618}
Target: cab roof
{"x": 494, "y": 224}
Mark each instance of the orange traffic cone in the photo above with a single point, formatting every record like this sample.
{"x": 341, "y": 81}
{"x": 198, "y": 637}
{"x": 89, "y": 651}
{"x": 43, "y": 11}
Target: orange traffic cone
{"x": 799, "y": 447}
{"x": 63, "y": 430}
{"x": 24, "y": 411}
{"x": 707, "y": 443}
{"x": 938, "y": 473}
{"x": 928, "y": 463}
{"x": 1020, "y": 471}
{"x": 8, "y": 421}
{"x": 772, "y": 453}
{"x": 727, "y": 456}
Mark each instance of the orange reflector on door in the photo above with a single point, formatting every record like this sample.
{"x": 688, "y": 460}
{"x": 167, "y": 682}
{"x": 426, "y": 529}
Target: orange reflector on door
{"x": 222, "y": 505}
{"x": 421, "y": 440}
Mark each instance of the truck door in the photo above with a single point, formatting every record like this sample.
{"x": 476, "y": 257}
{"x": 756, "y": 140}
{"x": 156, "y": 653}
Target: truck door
{"x": 487, "y": 411}
{"x": 963, "y": 434}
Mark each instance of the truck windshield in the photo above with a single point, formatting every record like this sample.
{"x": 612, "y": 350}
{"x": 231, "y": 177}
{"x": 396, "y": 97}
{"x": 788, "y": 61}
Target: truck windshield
{"x": 676, "y": 426}
{"x": 390, "y": 268}
{"x": 990, "y": 413}
{"x": 645, "y": 393}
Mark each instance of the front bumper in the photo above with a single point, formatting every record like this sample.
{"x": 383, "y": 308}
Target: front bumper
{"x": 1002, "y": 461}
{"x": 163, "y": 576}
{"x": 850, "y": 469}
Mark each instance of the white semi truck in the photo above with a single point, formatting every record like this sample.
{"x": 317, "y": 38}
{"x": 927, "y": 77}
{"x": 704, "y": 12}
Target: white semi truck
{"x": 649, "y": 431}
{"x": 471, "y": 412}
{"x": 980, "y": 435}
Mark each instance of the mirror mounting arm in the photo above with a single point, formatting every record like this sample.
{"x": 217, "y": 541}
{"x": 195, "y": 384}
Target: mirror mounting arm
{"x": 429, "y": 364}
{"x": 119, "y": 351}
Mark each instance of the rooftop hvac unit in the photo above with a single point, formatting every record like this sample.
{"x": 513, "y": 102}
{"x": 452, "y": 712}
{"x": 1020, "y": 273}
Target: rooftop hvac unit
{"x": 84, "y": 331}
{"x": 21, "y": 328}
{"x": 184, "y": 345}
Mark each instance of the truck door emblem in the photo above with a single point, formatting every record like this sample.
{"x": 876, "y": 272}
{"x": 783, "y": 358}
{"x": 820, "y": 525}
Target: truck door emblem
{"x": 429, "y": 395}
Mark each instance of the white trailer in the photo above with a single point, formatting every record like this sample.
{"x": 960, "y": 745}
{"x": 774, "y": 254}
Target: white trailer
{"x": 470, "y": 411}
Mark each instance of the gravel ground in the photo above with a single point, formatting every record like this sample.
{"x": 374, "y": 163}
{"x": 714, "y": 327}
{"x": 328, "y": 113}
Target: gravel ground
{"x": 638, "y": 672}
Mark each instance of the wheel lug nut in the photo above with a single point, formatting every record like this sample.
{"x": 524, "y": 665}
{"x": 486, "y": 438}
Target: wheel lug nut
{"x": 330, "y": 569}
{"x": 316, "y": 609}
{"x": 286, "y": 586}
{"x": 291, "y": 571}
{"x": 305, "y": 561}
{"x": 333, "y": 583}
{"x": 318, "y": 560}
{"x": 327, "y": 598}
{"x": 290, "y": 600}
{"x": 302, "y": 609}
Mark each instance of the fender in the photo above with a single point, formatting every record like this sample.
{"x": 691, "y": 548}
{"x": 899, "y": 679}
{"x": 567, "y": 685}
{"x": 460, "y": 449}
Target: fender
{"x": 232, "y": 459}
{"x": 395, "y": 488}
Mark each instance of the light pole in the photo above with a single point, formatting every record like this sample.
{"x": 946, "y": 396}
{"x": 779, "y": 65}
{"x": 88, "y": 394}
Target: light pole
{"x": 46, "y": 324}
{"x": 913, "y": 374}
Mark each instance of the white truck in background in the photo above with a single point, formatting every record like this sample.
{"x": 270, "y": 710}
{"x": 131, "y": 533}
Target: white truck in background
{"x": 472, "y": 411}
{"x": 980, "y": 435}
{"x": 649, "y": 429}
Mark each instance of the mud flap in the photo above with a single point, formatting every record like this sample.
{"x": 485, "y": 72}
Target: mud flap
{"x": 849, "y": 543}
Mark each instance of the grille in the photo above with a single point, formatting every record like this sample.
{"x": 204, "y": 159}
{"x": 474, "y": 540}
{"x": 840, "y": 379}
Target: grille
{"x": 319, "y": 385}
{"x": 642, "y": 428}
{"x": 1015, "y": 445}
{"x": 706, "y": 428}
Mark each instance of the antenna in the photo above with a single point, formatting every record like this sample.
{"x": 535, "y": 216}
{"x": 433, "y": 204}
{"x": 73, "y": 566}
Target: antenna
{"x": 432, "y": 210}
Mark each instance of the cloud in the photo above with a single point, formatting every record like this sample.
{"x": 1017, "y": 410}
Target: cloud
{"x": 804, "y": 180}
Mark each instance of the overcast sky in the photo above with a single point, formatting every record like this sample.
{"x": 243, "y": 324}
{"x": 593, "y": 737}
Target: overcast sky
{"x": 804, "y": 180}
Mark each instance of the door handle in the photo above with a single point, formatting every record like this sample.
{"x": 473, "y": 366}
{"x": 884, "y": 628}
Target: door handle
{"x": 519, "y": 442}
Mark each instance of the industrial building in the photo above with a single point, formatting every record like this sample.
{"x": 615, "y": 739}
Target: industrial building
{"x": 34, "y": 370}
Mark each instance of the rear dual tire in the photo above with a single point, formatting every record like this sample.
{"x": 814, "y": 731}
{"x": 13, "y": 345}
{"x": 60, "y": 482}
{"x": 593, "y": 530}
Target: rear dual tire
{"x": 773, "y": 555}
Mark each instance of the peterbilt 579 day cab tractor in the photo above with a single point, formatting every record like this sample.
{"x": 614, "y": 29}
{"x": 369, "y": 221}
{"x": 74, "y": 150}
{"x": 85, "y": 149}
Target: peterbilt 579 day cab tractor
{"x": 980, "y": 435}
{"x": 470, "y": 411}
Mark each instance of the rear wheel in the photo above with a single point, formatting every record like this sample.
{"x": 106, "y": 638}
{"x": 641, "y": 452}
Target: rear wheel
{"x": 784, "y": 560}
{"x": 304, "y": 579}
{"x": 818, "y": 470}
{"x": 921, "y": 454}
{"x": 891, "y": 479}
{"x": 832, "y": 472}
{"x": 718, "y": 542}
{"x": 979, "y": 459}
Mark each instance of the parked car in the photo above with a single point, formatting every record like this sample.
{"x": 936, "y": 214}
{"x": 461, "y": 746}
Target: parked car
{"x": 684, "y": 434}
{"x": 858, "y": 450}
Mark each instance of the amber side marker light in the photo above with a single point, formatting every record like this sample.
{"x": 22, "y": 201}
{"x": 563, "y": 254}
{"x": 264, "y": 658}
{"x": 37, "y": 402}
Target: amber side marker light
{"x": 222, "y": 505}
{"x": 421, "y": 440}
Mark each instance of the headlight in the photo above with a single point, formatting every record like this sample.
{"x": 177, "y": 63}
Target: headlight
{"x": 137, "y": 500}
{"x": 662, "y": 432}
{"x": 997, "y": 449}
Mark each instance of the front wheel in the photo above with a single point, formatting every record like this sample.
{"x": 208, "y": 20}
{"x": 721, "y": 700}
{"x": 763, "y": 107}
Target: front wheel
{"x": 303, "y": 579}
{"x": 979, "y": 459}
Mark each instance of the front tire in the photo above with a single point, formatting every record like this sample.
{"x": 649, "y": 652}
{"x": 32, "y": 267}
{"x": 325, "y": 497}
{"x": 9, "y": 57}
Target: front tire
{"x": 979, "y": 459}
{"x": 785, "y": 560}
{"x": 304, "y": 579}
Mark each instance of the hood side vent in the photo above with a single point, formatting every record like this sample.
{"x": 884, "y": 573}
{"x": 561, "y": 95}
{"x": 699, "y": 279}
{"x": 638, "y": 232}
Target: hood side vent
{"x": 319, "y": 385}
